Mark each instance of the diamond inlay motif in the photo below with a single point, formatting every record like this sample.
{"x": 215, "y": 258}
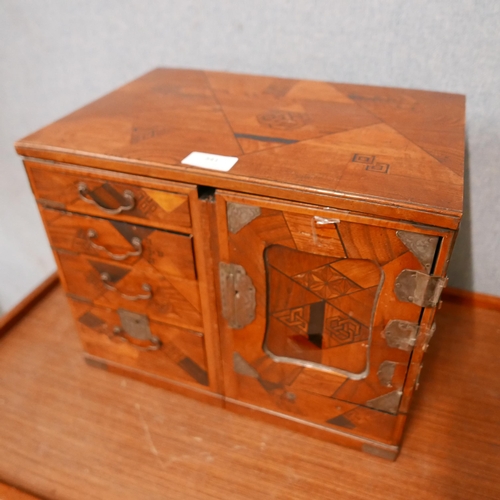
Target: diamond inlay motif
{"x": 320, "y": 311}
{"x": 326, "y": 282}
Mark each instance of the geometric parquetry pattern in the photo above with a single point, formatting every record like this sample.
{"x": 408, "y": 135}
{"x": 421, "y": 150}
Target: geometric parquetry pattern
{"x": 316, "y": 346}
{"x": 315, "y": 349}
{"x": 323, "y": 310}
{"x": 326, "y": 282}
{"x": 377, "y": 140}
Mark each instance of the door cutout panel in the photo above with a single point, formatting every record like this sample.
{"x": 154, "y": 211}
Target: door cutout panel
{"x": 320, "y": 309}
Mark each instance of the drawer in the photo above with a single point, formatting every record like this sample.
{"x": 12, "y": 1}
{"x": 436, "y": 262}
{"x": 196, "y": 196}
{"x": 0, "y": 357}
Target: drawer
{"x": 156, "y": 275}
{"x": 139, "y": 287}
{"x": 110, "y": 197}
{"x": 154, "y": 347}
{"x": 168, "y": 252}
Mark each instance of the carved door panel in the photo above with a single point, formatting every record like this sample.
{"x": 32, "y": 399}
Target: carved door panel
{"x": 312, "y": 326}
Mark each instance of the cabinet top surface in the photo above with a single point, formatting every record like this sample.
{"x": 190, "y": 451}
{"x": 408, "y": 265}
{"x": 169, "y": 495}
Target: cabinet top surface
{"x": 397, "y": 147}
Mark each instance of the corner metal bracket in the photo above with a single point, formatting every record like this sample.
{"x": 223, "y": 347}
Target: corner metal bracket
{"x": 422, "y": 246}
{"x": 419, "y": 288}
{"x": 401, "y": 334}
{"x": 237, "y": 295}
{"x": 242, "y": 367}
{"x": 238, "y": 216}
{"x": 388, "y": 403}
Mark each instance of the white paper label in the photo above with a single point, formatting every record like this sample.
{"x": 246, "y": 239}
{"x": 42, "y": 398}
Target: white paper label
{"x": 207, "y": 160}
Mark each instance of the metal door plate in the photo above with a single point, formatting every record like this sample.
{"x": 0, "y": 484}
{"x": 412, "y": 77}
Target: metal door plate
{"x": 237, "y": 295}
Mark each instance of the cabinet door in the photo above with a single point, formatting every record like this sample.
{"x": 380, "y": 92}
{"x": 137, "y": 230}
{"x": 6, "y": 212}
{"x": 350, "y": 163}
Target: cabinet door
{"x": 306, "y": 296}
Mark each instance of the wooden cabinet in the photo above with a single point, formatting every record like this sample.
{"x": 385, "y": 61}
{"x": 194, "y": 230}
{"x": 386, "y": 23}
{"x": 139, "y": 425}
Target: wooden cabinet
{"x": 298, "y": 286}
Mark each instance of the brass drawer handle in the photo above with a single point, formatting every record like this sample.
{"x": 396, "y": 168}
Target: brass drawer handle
{"x": 155, "y": 345}
{"x": 128, "y": 195}
{"x": 136, "y": 243}
{"x": 105, "y": 281}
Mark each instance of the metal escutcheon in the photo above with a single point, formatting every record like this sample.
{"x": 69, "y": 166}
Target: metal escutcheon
{"x": 136, "y": 326}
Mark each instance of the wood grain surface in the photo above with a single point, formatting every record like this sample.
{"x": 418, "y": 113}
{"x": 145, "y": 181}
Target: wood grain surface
{"x": 69, "y": 431}
{"x": 368, "y": 147}
{"x": 10, "y": 493}
{"x": 471, "y": 299}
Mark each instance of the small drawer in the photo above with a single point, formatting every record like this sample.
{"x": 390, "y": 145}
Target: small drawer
{"x": 108, "y": 196}
{"x": 141, "y": 343}
{"x": 169, "y": 253}
{"x": 139, "y": 287}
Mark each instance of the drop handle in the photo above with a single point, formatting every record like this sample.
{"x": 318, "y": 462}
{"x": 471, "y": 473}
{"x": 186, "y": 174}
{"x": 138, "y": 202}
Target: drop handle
{"x": 119, "y": 333}
{"x": 105, "y": 278}
{"x": 83, "y": 192}
{"x": 136, "y": 243}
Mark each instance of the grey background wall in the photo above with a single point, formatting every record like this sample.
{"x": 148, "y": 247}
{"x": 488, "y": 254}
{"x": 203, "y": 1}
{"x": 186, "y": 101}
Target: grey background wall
{"x": 57, "y": 55}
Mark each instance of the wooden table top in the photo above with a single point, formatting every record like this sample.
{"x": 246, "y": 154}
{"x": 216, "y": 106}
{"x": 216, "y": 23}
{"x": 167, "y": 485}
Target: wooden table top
{"x": 362, "y": 148}
{"x": 69, "y": 431}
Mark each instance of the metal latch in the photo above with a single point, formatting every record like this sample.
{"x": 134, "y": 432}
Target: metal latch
{"x": 237, "y": 295}
{"x": 419, "y": 288}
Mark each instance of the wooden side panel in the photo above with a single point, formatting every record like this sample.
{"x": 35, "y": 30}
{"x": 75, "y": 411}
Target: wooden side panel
{"x": 316, "y": 349}
{"x": 60, "y": 189}
{"x": 181, "y": 356}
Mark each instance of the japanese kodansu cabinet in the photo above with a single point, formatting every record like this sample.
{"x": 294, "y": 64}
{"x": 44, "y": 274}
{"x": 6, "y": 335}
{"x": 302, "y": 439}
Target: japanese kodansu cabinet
{"x": 297, "y": 283}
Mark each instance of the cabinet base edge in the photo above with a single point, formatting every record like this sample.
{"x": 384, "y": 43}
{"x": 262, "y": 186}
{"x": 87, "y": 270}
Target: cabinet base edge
{"x": 388, "y": 452}
{"x": 151, "y": 379}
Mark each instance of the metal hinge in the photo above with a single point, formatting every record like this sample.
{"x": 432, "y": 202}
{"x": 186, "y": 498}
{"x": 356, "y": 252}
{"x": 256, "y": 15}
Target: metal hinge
{"x": 419, "y": 288}
{"x": 237, "y": 295}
